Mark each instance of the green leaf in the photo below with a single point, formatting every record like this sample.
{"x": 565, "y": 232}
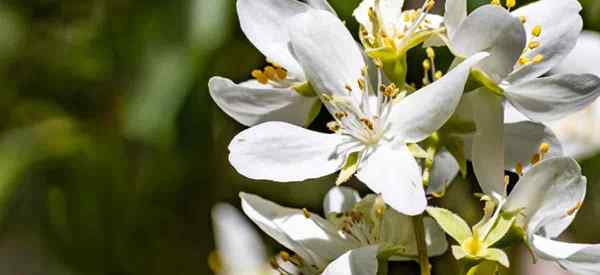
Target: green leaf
{"x": 451, "y": 223}
{"x": 497, "y": 255}
{"x": 484, "y": 268}
{"x": 350, "y": 167}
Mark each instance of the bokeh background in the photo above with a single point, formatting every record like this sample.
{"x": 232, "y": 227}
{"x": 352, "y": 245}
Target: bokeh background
{"x": 112, "y": 152}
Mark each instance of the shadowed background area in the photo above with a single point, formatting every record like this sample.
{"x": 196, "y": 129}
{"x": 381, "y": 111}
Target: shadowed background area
{"x": 112, "y": 152}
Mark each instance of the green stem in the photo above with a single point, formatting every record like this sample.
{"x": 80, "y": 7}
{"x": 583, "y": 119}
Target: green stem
{"x": 419, "y": 228}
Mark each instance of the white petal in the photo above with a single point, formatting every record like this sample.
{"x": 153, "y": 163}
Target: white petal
{"x": 389, "y": 11}
{"x": 491, "y": 29}
{"x": 361, "y": 261}
{"x": 554, "y": 97}
{"x": 340, "y": 200}
{"x": 580, "y": 259}
{"x": 283, "y": 152}
{"x": 580, "y": 132}
{"x": 415, "y": 117}
{"x": 523, "y": 140}
{"x": 549, "y": 192}
{"x": 561, "y": 25}
{"x": 314, "y": 239}
{"x": 456, "y": 12}
{"x": 445, "y": 168}
{"x": 587, "y": 48}
{"x": 488, "y": 142}
{"x": 321, "y": 4}
{"x": 263, "y": 22}
{"x": 394, "y": 173}
{"x": 251, "y": 103}
{"x": 234, "y": 237}
{"x": 327, "y": 52}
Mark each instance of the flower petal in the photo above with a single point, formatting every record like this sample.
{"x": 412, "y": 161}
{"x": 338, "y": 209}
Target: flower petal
{"x": 587, "y": 48}
{"x": 263, "y": 22}
{"x": 313, "y": 238}
{"x": 554, "y": 97}
{"x": 492, "y": 29}
{"x": 251, "y": 103}
{"x": 321, "y": 4}
{"x": 283, "y": 152}
{"x": 444, "y": 170}
{"x": 389, "y": 11}
{"x": 361, "y": 261}
{"x": 415, "y": 117}
{"x": 580, "y": 132}
{"x": 551, "y": 193}
{"x": 394, "y": 173}
{"x": 581, "y": 259}
{"x": 327, "y": 52}
{"x": 340, "y": 199}
{"x": 523, "y": 140}
{"x": 456, "y": 12}
{"x": 488, "y": 142}
{"x": 558, "y": 36}
{"x": 234, "y": 237}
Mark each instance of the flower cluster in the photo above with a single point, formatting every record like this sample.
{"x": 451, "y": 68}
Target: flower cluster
{"x": 406, "y": 142}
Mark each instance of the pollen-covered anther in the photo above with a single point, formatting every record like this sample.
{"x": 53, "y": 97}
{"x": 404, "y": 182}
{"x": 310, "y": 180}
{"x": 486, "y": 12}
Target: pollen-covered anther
{"x": 511, "y": 4}
{"x": 426, "y": 65}
{"x": 270, "y": 72}
{"x": 536, "y": 31}
{"x": 537, "y": 59}
{"x": 430, "y": 53}
{"x": 361, "y": 84}
{"x": 340, "y": 115}
{"x": 429, "y": 5}
{"x": 496, "y": 2}
{"x": 438, "y": 75}
{"x": 368, "y": 123}
{"x": 524, "y": 60}
{"x": 306, "y": 213}
{"x": 533, "y": 45}
{"x": 284, "y": 256}
{"x": 390, "y": 91}
{"x": 536, "y": 158}
{"x": 544, "y": 148}
{"x": 281, "y": 73}
{"x": 348, "y": 88}
{"x": 260, "y": 76}
{"x": 519, "y": 168}
{"x": 333, "y": 126}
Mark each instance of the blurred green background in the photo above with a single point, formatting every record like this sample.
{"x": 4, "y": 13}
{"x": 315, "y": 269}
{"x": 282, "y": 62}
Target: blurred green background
{"x": 111, "y": 150}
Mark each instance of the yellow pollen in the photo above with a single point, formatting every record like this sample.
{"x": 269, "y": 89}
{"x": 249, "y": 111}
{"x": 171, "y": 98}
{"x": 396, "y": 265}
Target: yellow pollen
{"x": 536, "y": 31}
{"x": 270, "y": 72}
{"x": 533, "y": 45}
{"x": 544, "y": 148}
{"x": 260, "y": 77}
{"x": 429, "y": 5}
{"x": 281, "y": 73}
{"x": 511, "y": 4}
{"x": 519, "y": 168}
{"x": 306, "y": 213}
{"x": 523, "y": 19}
{"x": 284, "y": 256}
{"x": 367, "y": 122}
{"x": 426, "y": 64}
{"x": 536, "y": 158}
{"x": 430, "y": 53}
{"x": 390, "y": 90}
{"x": 524, "y": 60}
{"x": 538, "y": 58}
{"x": 438, "y": 75}
{"x": 496, "y": 2}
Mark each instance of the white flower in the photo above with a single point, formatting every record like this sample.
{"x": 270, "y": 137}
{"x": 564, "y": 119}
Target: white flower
{"x": 350, "y": 238}
{"x": 580, "y": 133}
{"x": 277, "y": 92}
{"x": 385, "y": 24}
{"x": 549, "y": 196}
{"x": 523, "y": 45}
{"x": 372, "y": 128}
{"x": 234, "y": 237}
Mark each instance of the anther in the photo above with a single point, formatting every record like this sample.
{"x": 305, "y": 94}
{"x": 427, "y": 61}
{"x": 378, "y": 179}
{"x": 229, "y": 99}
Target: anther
{"x": 361, "y": 84}
{"x": 341, "y": 115}
{"x": 260, "y": 77}
{"x": 438, "y": 75}
{"x": 496, "y": 2}
{"x": 274, "y": 264}
{"x": 270, "y": 72}
{"x": 511, "y": 4}
{"x": 333, "y": 126}
{"x": 544, "y": 148}
{"x": 536, "y": 31}
{"x": 533, "y": 45}
{"x": 348, "y": 88}
{"x": 390, "y": 91}
{"x": 571, "y": 212}
{"x": 538, "y": 58}
{"x": 524, "y": 60}
{"x": 367, "y": 122}
{"x": 523, "y": 19}
{"x": 284, "y": 256}
{"x": 519, "y": 168}
{"x": 281, "y": 73}
{"x": 306, "y": 213}
{"x": 429, "y": 5}
{"x": 426, "y": 65}
{"x": 430, "y": 53}
{"x": 536, "y": 158}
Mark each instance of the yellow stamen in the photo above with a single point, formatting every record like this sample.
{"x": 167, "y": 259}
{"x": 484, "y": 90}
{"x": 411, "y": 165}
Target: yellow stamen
{"x": 533, "y": 45}
{"x": 538, "y": 58}
{"x": 367, "y": 122}
{"x": 430, "y": 53}
{"x": 496, "y": 2}
{"x": 361, "y": 84}
{"x": 544, "y": 148}
{"x": 333, "y": 126}
{"x": 284, "y": 256}
{"x": 306, "y": 213}
{"x": 348, "y": 88}
{"x": 511, "y": 4}
{"x": 426, "y": 64}
{"x": 519, "y": 168}
{"x": 260, "y": 77}
{"x": 281, "y": 73}
{"x": 536, "y": 158}
{"x": 438, "y": 75}
{"x": 536, "y": 31}
{"x": 270, "y": 73}
{"x": 524, "y": 60}
{"x": 429, "y": 5}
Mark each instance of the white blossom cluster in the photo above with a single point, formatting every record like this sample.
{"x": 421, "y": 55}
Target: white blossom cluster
{"x": 406, "y": 142}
